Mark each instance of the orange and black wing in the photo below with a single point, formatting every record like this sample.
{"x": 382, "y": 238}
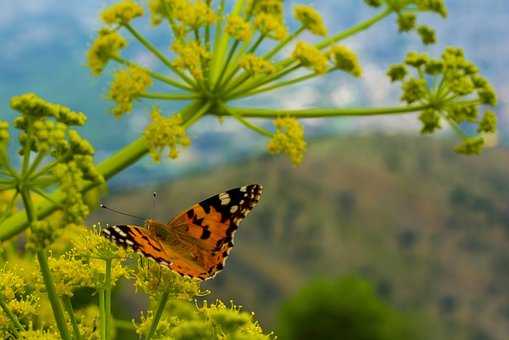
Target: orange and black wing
{"x": 207, "y": 229}
{"x": 138, "y": 239}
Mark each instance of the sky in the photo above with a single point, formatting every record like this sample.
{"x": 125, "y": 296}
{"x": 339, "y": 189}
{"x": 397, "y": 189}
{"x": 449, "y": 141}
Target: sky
{"x": 44, "y": 44}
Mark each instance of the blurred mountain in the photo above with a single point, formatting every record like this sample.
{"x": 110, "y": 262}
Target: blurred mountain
{"x": 430, "y": 228}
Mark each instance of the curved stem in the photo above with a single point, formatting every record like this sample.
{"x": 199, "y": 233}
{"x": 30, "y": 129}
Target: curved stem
{"x": 159, "y": 312}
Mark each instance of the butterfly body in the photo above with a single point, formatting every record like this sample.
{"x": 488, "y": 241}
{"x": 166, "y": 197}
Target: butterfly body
{"x": 196, "y": 242}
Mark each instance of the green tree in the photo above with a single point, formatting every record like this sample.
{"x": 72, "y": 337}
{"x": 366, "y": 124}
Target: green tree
{"x": 342, "y": 309}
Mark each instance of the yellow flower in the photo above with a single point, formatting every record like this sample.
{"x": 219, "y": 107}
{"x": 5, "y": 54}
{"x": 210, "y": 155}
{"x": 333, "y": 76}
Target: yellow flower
{"x": 122, "y": 12}
{"x": 289, "y": 139}
{"x": 310, "y": 56}
{"x": 127, "y": 84}
{"x": 107, "y": 45}
{"x": 345, "y": 59}
{"x": 165, "y": 132}
{"x": 190, "y": 56}
{"x": 196, "y": 15}
{"x": 273, "y": 7}
{"x": 256, "y": 65}
{"x": 4, "y": 131}
{"x": 311, "y": 19}
{"x": 271, "y": 26}
{"x": 160, "y": 9}
{"x": 238, "y": 28}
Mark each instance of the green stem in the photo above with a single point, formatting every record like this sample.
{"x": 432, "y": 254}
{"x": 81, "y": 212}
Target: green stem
{"x": 346, "y": 33}
{"x": 70, "y": 312}
{"x": 159, "y": 55}
{"x": 4, "y": 161}
{"x": 35, "y": 164}
{"x": 12, "y": 317}
{"x": 107, "y": 297}
{"x": 203, "y": 110}
{"x": 108, "y": 168}
{"x": 227, "y": 63}
{"x": 157, "y": 316}
{"x": 251, "y": 85}
{"x": 250, "y": 125}
{"x": 283, "y": 43}
{"x": 362, "y": 26}
{"x": 282, "y": 84}
{"x": 5, "y": 214}
{"x": 42, "y": 257}
{"x": 58, "y": 312}
{"x": 222, "y": 43}
{"x": 102, "y": 314}
{"x": 153, "y": 74}
{"x": 321, "y": 112}
{"x": 170, "y": 19}
{"x": 169, "y": 96}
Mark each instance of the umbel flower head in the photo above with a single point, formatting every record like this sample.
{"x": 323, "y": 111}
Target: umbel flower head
{"x": 289, "y": 139}
{"x": 457, "y": 98}
{"x": 164, "y": 133}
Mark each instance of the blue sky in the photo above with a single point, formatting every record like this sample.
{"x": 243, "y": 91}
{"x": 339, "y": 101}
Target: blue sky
{"x": 44, "y": 43}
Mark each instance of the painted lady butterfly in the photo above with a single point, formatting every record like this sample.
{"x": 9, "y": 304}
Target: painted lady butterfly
{"x": 197, "y": 242}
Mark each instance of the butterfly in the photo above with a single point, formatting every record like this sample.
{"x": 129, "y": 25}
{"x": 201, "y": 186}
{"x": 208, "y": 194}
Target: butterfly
{"x": 197, "y": 242}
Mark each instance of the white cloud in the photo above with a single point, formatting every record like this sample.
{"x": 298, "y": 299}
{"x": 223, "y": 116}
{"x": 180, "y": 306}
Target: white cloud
{"x": 299, "y": 98}
{"x": 343, "y": 95}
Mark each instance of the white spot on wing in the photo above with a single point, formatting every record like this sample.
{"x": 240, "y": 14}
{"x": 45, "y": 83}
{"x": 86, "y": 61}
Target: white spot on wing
{"x": 233, "y": 209}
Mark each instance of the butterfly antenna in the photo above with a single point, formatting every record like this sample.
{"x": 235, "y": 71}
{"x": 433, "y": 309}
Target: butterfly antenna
{"x": 120, "y": 212}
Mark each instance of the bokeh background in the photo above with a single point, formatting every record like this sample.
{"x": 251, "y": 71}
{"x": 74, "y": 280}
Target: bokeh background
{"x": 426, "y": 229}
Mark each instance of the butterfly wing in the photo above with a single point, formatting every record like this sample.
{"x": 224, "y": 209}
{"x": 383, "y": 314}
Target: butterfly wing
{"x": 207, "y": 229}
{"x": 138, "y": 239}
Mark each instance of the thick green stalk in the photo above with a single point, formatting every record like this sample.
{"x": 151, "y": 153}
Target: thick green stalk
{"x": 107, "y": 298}
{"x": 222, "y": 46}
{"x": 42, "y": 257}
{"x": 321, "y": 112}
{"x": 74, "y": 323}
{"x": 157, "y": 316}
{"x": 159, "y": 55}
{"x": 227, "y": 63}
{"x": 102, "y": 314}
{"x": 11, "y": 316}
{"x": 108, "y": 168}
{"x": 58, "y": 311}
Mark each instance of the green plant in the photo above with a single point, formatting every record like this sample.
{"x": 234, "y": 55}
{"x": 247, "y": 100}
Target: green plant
{"x": 346, "y": 309}
{"x": 214, "y": 61}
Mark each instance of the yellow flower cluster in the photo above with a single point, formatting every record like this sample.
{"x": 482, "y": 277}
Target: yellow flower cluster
{"x": 107, "y": 45}
{"x": 126, "y": 85}
{"x": 154, "y": 279}
{"x": 311, "y": 19}
{"x": 256, "y": 65}
{"x": 273, "y": 7}
{"x": 195, "y": 15}
{"x": 165, "y": 132}
{"x": 271, "y": 26}
{"x": 310, "y": 56}
{"x": 122, "y": 12}
{"x": 4, "y": 131}
{"x": 345, "y": 59}
{"x": 289, "y": 139}
{"x": 238, "y": 28}
{"x": 190, "y": 57}
{"x": 92, "y": 244}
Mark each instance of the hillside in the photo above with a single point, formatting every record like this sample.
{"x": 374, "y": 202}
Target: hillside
{"x": 430, "y": 227}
